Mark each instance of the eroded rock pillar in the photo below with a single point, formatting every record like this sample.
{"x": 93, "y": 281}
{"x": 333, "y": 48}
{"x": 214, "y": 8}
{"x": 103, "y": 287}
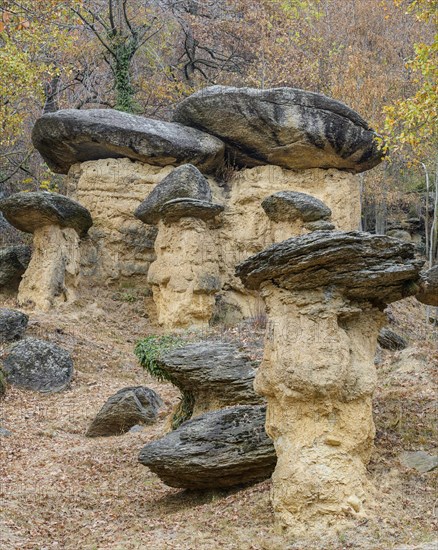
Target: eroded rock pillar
{"x": 53, "y": 272}
{"x": 318, "y": 377}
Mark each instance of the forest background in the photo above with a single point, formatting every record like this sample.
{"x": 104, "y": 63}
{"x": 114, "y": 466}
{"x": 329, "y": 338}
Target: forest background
{"x": 380, "y": 57}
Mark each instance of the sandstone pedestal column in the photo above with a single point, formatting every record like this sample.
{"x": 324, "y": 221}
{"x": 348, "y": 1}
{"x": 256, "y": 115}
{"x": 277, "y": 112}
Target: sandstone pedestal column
{"x": 324, "y": 295}
{"x": 57, "y": 223}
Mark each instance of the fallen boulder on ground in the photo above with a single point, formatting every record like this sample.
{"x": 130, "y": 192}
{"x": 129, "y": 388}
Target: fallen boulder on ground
{"x": 218, "y": 449}
{"x": 13, "y": 324}
{"x": 38, "y": 365}
{"x": 125, "y": 409}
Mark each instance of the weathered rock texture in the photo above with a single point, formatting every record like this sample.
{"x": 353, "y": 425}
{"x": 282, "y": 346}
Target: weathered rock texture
{"x": 283, "y": 126}
{"x": 14, "y": 261}
{"x": 38, "y": 365}
{"x": 57, "y": 224}
{"x": 70, "y": 136}
{"x": 13, "y": 324}
{"x": 388, "y": 339}
{"x": 429, "y": 287}
{"x": 124, "y": 409}
{"x": 216, "y": 374}
{"x": 218, "y": 449}
{"x": 324, "y": 295}
{"x": 184, "y": 182}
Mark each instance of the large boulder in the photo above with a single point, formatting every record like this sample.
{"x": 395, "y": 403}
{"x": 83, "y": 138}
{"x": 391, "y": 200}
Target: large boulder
{"x": 38, "y": 365}
{"x": 293, "y": 205}
{"x": 125, "y": 409}
{"x": 12, "y": 324}
{"x": 218, "y": 449}
{"x": 13, "y": 263}
{"x": 70, "y": 136}
{"x": 429, "y": 287}
{"x": 216, "y": 373}
{"x": 288, "y": 127}
{"x": 373, "y": 268}
{"x": 30, "y": 211}
{"x": 184, "y": 182}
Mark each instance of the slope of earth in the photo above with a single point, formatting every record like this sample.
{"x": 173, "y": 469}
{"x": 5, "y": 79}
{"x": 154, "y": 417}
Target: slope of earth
{"x": 60, "y": 490}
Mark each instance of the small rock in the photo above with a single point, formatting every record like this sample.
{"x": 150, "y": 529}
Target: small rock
{"x": 429, "y": 287}
{"x": 388, "y": 339}
{"x": 13, "y": 263}
{"x": 38, "y": 365}
{"x": 218, "y": 449}
{"x": 125, "y": 409}
{"x": 419, "y": 460}
{"x": 136, "y": 429}
{"x": 13, "y": 324}
{"x": 292, "y": 205}
{"x": 400, "y": 234}
{"x": 4, "y": 432}
{"x": 320, "y": 225}
{"x": 184, "y": 182}
{"x": 355, "y": 503}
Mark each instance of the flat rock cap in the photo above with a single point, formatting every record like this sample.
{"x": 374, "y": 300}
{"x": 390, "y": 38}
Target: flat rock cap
{"x": 362, "y": 266}
{"x": 293, "y": 205}
{"x": 172, "y": 211}
{"x": 287, "y": 127}
{"x": 184, "y": 182}
{"x": 31, "y": 211}
{"x": 70, "y": 136}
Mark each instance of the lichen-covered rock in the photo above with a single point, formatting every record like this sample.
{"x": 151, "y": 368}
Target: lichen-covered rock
{"x": 429, "y": 287}
{"x": 70, "y": 136}
{"x": 284, "y": 126}
{"x": 31, "y": 211}
{"x": 184, "y": 182}
{"x": 388, "y": 339}
{"x": 320, "y": 225}
{"x": 216, "y": 373}
{"x": 368, "y": 267}
{"x": 176, "y": 209}
{"x": 218, "y": 449}
{"x": 125, "y": 409}
{"x": 13, "y": 324}
{"x": 290, "y": 205}
{"x": 38, "y": 365}
{"x": 13, "y": 263}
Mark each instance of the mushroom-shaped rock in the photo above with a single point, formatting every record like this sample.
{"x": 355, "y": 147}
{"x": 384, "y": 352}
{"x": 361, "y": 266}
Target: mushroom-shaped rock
{"x": 218, "y": 449}
{"x": 184, "y": 182}
{"x": 215, "y": 373}
{"x": 124, "y": 409}
{"x": 57, "y": 223}
{"x": 13, "y": 324}
{"x": 428, "y": 293}
{"x": 374, "y": 268}
{"x": 292, "y": 205}
{"x": 38, "y": 365}
{"x": 172, "y": 211}
{"x": 72, "y": 136}
{"x": 31, "y": 211}
{"x": 327, "y": 291}
{"x": 284, "y": 126}
{"x": 14, "y": 261}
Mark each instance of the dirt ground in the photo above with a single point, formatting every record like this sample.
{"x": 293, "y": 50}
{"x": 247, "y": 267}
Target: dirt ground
{"x": 60, "y": 490}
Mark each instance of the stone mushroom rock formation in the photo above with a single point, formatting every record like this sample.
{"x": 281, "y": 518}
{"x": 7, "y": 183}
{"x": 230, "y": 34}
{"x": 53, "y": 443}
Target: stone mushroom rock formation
{"x": 72, "y": 136}
{"x": 325, "y": 290}
{"x": 14, "y": 261}
{"x": 57, "y": 223}
{"x": 214, "y": 373}
{"x": 218, "y": 449}
{"x": 388, "y": 339}
{"x": 428, "y": 293}
{"x": 288, "y": 127}
{"x": 13, "y": 324}
{"x": 185, "y": 275}
{"x": 125, "y": 409}
{"x": 184, "y": 182}
{"x": 38, "y": 365}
